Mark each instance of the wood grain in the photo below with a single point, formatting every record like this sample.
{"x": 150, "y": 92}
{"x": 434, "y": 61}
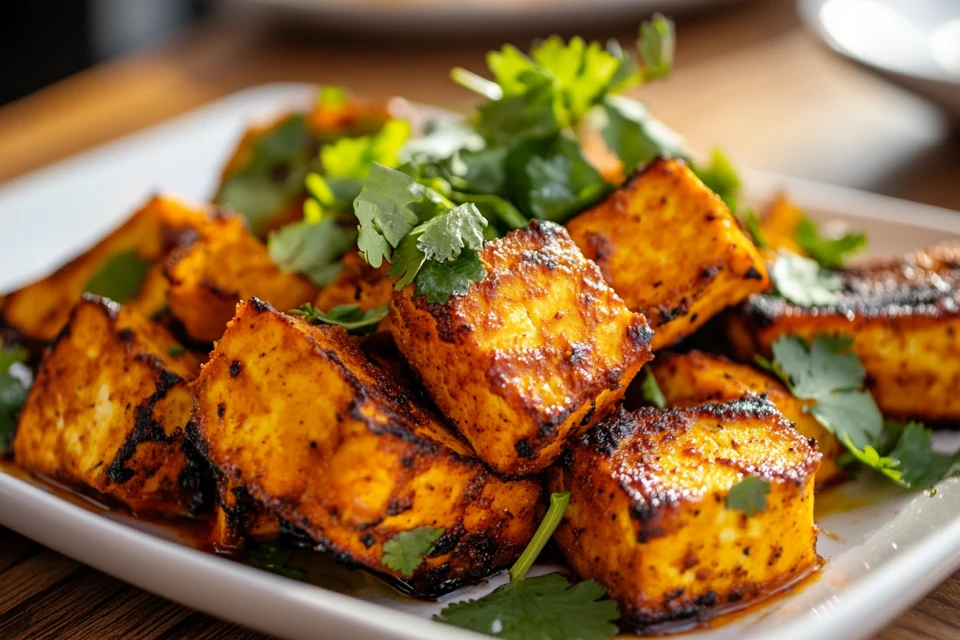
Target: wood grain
{"x": 748, "y": 79}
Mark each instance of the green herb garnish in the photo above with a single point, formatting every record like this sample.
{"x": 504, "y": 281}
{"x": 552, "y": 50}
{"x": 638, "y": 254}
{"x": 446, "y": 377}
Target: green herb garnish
{"x": 274, "y": 558}
{"x": 827, "y": 373}
{"x": 15, "y": 381}
{"x": 830, "y": 253}
{"x": 312, "y": 247}
{"x": 175, "y": 350}
{"x": 650, "y": 389}
{"x": 542, "y": 607}
{"x": 406, "y": 550}
{"x": 803, "y": 281}
{"x": 349, "y": 316}
{"x": 428, "y": 239}
{"x": 120, "y": 277}
{"x": 749, "y": 495}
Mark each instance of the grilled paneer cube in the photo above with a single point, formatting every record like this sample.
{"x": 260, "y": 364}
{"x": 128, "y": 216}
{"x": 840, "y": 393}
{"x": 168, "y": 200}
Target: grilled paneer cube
{"x": 648, "y": 517}
{"x": 904, "y": 318}
{"x": 694, "y": 378}
{"x": 39, "y": 310}
{"x": 779, "y": 227}
{"x": 238, "y": 517}
{"x": 224, "y": 265}
{"x": 331, "y": 443}
{"x": 671, "y": 249}
{"x": 357, "y": 283}
{"x": 535, "y": 353}
{"x": 108, "y": 410}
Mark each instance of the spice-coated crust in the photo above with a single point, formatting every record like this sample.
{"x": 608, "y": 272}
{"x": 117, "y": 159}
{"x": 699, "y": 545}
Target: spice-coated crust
{"x": 904, "y": 317}
{"x": 537, "y": 351}
{"x": 108, "y": 411}
{"x": 671, "y": 249}
{"x": 648, "y": 519}
{"x": 298, "y": 416}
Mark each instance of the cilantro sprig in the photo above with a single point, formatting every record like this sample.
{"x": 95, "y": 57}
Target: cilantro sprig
{"x": 349, "y": 316}
{"x": 829, "y": 375}
{"x": 429, "y": 240}
{"x": 405, "y": 551}
{"x": 828, "y": 252}
{"x": 749, "y": 495}
{"x": 15, "y": 381}
{"x": 650, "y": 389}
{"x": 545, "y": 606}
{"x": 803, "y": 281}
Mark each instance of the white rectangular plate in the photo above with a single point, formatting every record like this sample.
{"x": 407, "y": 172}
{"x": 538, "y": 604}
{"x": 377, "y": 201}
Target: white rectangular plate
{"x": 885, "y": 548}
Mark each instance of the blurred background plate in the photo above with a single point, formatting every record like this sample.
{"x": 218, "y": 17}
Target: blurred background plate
{"x": 915, "y": 43}
{"x": 401, "y": 18}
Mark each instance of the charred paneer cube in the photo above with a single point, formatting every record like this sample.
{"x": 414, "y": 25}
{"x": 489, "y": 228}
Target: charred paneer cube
{"x": 225, "y": 264}
{"x": 689, "y": 379}
{"x": 108, "y": 412}
{"x": 671, "y": 249}
{"x": 239, "y": 518}
{"x": 132, "y": 253}
{"x": 535, "y": 353}
{"x": 649, "y": 515}
{"x": 904, "y": 318}
{"x": 357, "y": 283}
{"x": 329, "y": 442}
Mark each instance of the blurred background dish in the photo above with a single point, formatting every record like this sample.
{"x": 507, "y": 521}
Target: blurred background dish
{"x": 913, "y": 42}
{"x": 404, "y": 18}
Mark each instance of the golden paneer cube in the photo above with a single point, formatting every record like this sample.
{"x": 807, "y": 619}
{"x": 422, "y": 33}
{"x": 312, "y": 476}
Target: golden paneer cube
{"x": 223, "y": 266}
{"x": 537, "y": 352}
{"x": 108, "y": 411}
{"x": 779, "y": 226}
{"x": 357, "y": 283}
{"x": 648, "y": 516}
{"x": 671, "y": 249}
{"x": 238, "y": 518}
{"x": 904, "y": 318}
{"x": 40, "y": 309}
{"x": 297, "y": 415}
{"x": 693, "y": 378}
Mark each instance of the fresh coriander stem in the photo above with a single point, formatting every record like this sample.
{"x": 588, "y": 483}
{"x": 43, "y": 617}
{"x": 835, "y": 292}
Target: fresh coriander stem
{"x": 477, "y": 84}
{"x": 558, "y": 505}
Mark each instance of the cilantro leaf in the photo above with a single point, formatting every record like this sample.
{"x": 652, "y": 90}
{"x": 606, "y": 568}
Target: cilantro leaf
{"x": 15, "y": 381}
{"x": 749, "y": 495}
{"x": 722, "y": 178}
{"x": 405, "y": 551}
{"x": 910, "y": 460}
{"x": 751, "y": 223}
{"x": 829, "y": 253}
{"x": 273, "y": 177}
{"x": 349, "y": 316}
{"x": 655, "y": 47}
{"x": 443, "y": 237}
{"x": 437, "y": 281}
{"x": 803, "y": 282}
{"x": 632, "y": 133}
{"x": 827, "y": 372}
{"x": 383, "y": 209}
{"x": 542, "y": 607}
{"x": 311, "y": 248}
{"x": 650, "y": 389}
{"x": 120, "y": 277}
{"x": 272, "y": 557}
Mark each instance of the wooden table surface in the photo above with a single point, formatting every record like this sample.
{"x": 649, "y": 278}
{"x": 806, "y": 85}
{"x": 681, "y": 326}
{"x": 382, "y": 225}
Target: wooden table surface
{"x": 748, "y": 79}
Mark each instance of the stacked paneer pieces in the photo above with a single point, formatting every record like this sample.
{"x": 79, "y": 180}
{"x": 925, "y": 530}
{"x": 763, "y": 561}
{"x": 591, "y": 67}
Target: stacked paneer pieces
{"x": 904, "y": 318}
{"x": 110, "y": 409}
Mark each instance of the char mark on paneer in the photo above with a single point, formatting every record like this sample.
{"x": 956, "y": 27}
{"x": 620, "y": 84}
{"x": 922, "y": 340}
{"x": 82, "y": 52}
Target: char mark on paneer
{"x": 651, "y": 515}
{"x": 108, "y": 413}
{"x": 671, "y": 249}
{"x": 329, "y": 442}
{"x": 904, "y": 318}
{"x": 535, "y": 353}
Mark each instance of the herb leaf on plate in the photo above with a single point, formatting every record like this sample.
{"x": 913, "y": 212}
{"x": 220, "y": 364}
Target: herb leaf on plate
{"x": 312, "y": 247}
{"x": 120, "y": 277}
{"x": 15, "y": 381}
{"x": 546, "y": 606}
{"x": 829, "y": 253}
{"x": 349, "y": 316}
{"x": 749, "y": 495}
{"x": 804, "y": 282}
{"x": 406, "y": 550}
